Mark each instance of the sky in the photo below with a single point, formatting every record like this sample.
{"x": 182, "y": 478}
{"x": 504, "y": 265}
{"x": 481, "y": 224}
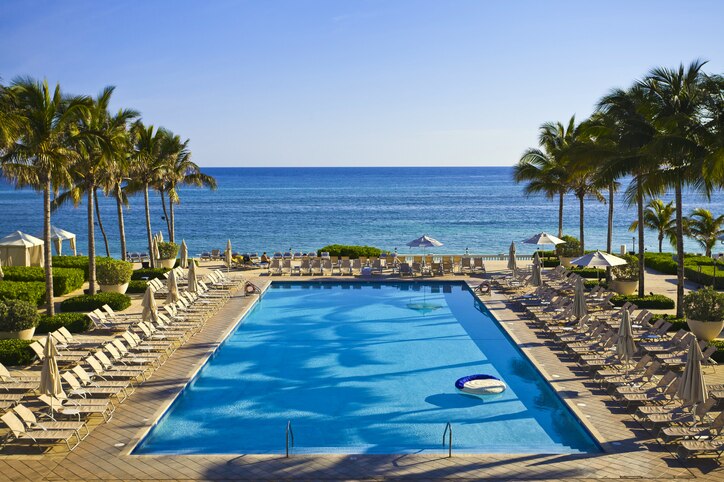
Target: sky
{"x": 355, "y": 82}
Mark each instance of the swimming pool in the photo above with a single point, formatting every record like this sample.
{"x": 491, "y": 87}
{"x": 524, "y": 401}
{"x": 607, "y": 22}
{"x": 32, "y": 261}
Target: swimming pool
{"x": 365, "y": 368}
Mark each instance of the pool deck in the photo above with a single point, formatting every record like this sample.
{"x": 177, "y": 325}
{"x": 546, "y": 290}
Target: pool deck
{"x": 629, "y": 451}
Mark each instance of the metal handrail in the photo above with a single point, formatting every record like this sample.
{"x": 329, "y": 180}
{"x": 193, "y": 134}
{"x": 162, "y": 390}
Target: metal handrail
{"x": 448, "y": 429}
{"x": 289, "y": 433}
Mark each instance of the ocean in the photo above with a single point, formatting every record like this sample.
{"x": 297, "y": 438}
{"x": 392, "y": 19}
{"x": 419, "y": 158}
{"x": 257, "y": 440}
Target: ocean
{"x": 479, "y": 209}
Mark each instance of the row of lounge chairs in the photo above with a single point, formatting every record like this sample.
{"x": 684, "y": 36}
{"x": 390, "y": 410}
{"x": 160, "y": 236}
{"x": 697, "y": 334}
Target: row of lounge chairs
{"x": 393, "y": 264}
{"x": 648, "y": 387}
{"x": 100, "y": 374}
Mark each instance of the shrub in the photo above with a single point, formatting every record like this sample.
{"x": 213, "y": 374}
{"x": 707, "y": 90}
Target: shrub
{"x": 653, "y": 302}
{"x": 113, "y": 272}
{"x": 571, "y": 248}
{"x": 718, "y": 355}
{"x": 663, "y": 262}
{"x": 705, "y": 275}
{"x": 592, "y": 273}
{"x": 65, "y": 280}
{"x": 628, "y": 271}
{"x": 704, "y": 304}
{"x": 16, "y": 352}
{"x": 150, "y": 273}
{"x": 17, "y": 315}
{"x": 551, "y": 262}
{"x": 592, "y": 283}
{"x": 87, "y": 303}
{"x": 352, "y": 251}
{"x": 30, "y": 291}
{"x": 676, "y": 323}
{"x": 74, "y": 322}
{"x": 137, "y": 286}
{"x": 167, "y": 250}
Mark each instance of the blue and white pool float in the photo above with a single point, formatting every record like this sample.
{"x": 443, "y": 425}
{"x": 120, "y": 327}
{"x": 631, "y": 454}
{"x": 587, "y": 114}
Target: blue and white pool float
{"x": 480, "y": 385}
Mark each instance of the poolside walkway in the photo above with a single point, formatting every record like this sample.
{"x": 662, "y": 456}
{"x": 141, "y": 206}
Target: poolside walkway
{"x": 629, "y": 452}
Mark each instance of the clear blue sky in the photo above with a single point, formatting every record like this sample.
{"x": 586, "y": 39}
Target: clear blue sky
{"x": 315, "y": 83}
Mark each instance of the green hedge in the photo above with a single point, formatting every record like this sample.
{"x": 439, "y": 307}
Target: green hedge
{"x": 87, "y": 303}
{"x": 718, "y": 355}
{"x": 591, "y": 283}
{"x": 30, "y": 291}
{"x": 550, "y": 262}
{"x": 149, "y": 273}
{"x": 663, "y": 262}
{"x": 654, "y": 302}
{"x": 352, "y": 251}
{"x": 591, "y": 273}
{"x": 74, "y": 322}
{"x": 16, "y": 352}
{"x": 65, "y": 280}
{"x": 137, "y": 286}
{"x": 706, "y": 276}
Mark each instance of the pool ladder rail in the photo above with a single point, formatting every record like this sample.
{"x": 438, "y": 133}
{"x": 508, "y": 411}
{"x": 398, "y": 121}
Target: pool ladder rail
{"x": 448, "y": 432}
{"x": 289, "y": 434}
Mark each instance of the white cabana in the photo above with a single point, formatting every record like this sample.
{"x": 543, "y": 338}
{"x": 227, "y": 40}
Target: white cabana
{"x": 58, "y": 236}
{"x": 20, "y": 249}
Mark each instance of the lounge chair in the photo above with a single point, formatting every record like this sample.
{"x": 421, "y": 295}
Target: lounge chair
{"x": 74, "y": 409}
{"x": 32, "y": 423}
{"x": 18, "y": 432}
{"x": 406, "y": 270}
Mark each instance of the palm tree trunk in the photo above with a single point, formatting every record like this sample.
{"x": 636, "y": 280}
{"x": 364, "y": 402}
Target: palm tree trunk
{"x": 47, "y": 250}
{"x": 165, "y": 214}
{"x": 581, "y": 224}
{"x": 640, "y": 214}
{"x": 679, "y": 252}
{"x": 560, "y": 214}
{"x": 100, "y": 223}
{"x": 121, "y": 226}
{"x": 172, "y": 234}
{"x": 609, "y": 237}
{"x": 148, "y": 226}
{"x": 91, "y": 244}
{"x": 661, "y": 242}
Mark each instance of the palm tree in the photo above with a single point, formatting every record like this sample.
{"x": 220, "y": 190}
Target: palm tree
{"x": 676, "y": 102}
{"x": 180, "y": 170}
{"x": 544, "y": 171}
{"x": 627, "y": 132}
{"x": 40, "y": 156}
{"x": 659, "y": 217}
{"x": 704, "y": 228}
{"x": 147, "y": 165}
{"x": 117, "y": 174}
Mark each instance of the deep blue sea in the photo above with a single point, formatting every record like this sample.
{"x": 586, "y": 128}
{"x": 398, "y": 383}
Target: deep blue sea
{"x": 275, "y": 209}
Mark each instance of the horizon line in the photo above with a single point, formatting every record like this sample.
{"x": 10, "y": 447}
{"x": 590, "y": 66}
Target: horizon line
{"x": 350, "y": 167}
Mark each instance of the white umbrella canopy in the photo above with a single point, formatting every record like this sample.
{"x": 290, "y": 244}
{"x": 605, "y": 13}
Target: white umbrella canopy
{"x": 193, "y": 287}
{"x": 148, "y": 303}
{"x": 579, "y": 300}
{"x": 50, "y": 376}
{"x": 184, "y": 254}
{"x": 544, "y": 239}
{"x": 692, "y": 386}
{"x": 424, "y": 241}
{"x": 512, "y": 262}
{"x": 625, "y": 346}
{"x": 598, "y": 259}
{"x": 172, "y": 286}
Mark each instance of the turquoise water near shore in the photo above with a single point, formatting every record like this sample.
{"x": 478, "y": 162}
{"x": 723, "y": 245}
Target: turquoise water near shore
{"x": 274, "y": 209}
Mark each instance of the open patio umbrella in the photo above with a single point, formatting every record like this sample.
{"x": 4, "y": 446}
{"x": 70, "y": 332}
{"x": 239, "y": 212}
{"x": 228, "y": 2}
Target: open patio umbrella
{"x": 579, "y": 300}
{"x": 537, "y": 279}
{"x": 625, "y": 346}
{"x": 512, "y": 261}
{"x": 598, "y": 260}
{"x": 150, "y": 309}
{"x": 227, "y": 255}
{"x": 424, "y": 242}
{"x": 58, "y": 235}
{"x": 543, "y": 239}
{"x": 184, "y": 254}
{"x": 172, "y": 286}
{"x": 50, "y": 376}
{"x": 192, "y": 287}
{"x": 692, "y": 386}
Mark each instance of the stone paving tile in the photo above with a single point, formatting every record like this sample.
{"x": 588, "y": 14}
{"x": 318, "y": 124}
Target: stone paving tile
{"x": 97, "y": 458}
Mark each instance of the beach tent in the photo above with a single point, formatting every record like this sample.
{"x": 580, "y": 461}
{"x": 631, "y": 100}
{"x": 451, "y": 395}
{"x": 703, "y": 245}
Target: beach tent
{"x": 58, "y": 236}
{"x": 20, "y": 249}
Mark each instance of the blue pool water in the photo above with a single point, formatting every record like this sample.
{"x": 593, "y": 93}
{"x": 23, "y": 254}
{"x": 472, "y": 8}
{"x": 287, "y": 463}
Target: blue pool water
{"x": 365, "y": 368}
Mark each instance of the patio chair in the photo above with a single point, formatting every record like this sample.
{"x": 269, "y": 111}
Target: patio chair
{"x": 18, "y": 432}
{"x": 32, "y": 423}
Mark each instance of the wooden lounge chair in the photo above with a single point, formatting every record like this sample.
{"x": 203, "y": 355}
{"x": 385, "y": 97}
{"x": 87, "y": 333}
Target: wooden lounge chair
{"x": 18, "y": 432}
